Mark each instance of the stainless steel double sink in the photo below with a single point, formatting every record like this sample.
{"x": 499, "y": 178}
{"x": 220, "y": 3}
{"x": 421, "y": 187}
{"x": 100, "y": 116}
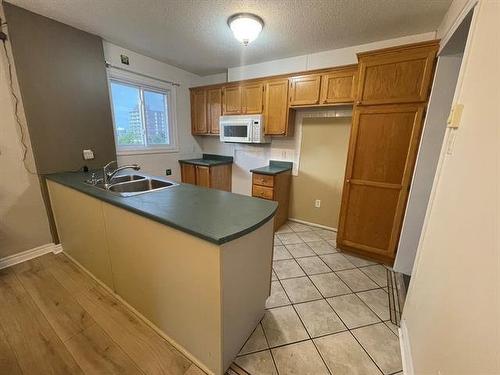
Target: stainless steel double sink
{"x": 134, "y": 184}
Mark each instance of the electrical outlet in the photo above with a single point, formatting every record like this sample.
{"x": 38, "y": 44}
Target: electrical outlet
{"x": 88, "y": 154}
{"x": 317, "y": 203}
{"x": 168, "y": 172}
{"x": 124, "y": 59}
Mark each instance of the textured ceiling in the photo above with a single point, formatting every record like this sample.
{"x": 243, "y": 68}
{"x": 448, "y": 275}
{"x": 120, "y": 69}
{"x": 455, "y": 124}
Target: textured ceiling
{"x": 193, "y": 34}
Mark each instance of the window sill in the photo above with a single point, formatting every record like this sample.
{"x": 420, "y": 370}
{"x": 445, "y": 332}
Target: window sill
{"x": 147, "y": 151}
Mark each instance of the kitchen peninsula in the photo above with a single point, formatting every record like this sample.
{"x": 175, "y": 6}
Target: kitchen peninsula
{"x": 195, "y": 262}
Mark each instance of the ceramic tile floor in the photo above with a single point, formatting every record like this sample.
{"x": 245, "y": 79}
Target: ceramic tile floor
{"x": 328, "y": 312}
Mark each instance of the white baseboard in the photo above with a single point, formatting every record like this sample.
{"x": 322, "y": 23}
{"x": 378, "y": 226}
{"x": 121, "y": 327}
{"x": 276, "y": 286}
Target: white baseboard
{"x": 312, "y": 224}
{"x": 30, "y": 254}
{"x": 404, "y": 342}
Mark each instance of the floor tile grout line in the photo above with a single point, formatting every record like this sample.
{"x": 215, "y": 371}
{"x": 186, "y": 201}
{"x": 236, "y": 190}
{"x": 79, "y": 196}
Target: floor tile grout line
{"x": 315, "y": 346}
{"x": 248, "y": 339}
{"x": 335, "y": 272}
{"x": 325, "y": 298}
{"x": 342, "y": 323}
{"x": 353, "y": 292}
{"x": 366, "y": 351}
{"x": 305, "y": 328}
{"x": 371, "y": 278}
{"x": 311, "y": 337}
{"x": 269, "y": 346}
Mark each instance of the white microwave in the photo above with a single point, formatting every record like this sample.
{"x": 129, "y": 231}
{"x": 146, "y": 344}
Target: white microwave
{"x": 243, "y": 129}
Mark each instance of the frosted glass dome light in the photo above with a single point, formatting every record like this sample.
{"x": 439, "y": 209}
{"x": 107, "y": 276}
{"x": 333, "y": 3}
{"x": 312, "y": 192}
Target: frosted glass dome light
{"x": 246, "y": 27}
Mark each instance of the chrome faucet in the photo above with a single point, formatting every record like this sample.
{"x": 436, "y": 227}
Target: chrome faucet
{"x": 107, "y": 176}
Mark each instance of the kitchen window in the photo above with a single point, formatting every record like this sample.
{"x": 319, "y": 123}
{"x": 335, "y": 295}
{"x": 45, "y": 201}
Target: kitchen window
{"x": 143, "y": 115}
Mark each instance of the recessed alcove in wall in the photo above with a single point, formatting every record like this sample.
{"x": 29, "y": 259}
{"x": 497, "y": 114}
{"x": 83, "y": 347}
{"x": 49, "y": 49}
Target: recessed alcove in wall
{"x": 323, "y": 154}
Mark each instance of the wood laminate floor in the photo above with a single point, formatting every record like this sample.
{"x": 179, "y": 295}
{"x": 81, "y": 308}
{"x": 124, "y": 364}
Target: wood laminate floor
{"x": 327, "y": 314}
{"x": 54, "y": 319}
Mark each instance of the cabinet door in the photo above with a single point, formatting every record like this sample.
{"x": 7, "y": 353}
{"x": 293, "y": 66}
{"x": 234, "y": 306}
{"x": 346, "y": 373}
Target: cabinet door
{"x": 382, "y": 152}
{"x": 214, "y": 108}
{"x": 339, "y": 86}
{"x": 188, "y": 174}
{"x": 276, "y": 108}
{"x": 220, "y": 177}
{"x": 231, "y": 100}
{"x": 202, "y": 176}
{"x": 252, "y": 98}
{"x": 199, "y": 112}
{"x": 304, "y": 90}
{"x": 396, "y": 76}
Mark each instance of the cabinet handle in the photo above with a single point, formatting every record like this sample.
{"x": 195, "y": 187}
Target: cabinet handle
{"x": 358, "y": 102}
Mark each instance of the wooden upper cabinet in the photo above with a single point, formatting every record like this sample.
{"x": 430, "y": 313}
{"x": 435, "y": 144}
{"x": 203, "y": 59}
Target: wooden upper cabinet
{"x": 199, "y": 111}
{"x": 231, "y": 100}
{"x": 304, "y": 90}
{"x": 396, "y": 75}
{"x": 252, "y": 98}
{"x": 276, "y": 108}
{"x": 339, "y": 86}
{"x": 214, "y": 109}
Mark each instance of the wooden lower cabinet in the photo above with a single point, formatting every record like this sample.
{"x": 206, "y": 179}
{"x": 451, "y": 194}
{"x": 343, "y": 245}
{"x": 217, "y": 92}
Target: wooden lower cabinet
{"x": 276, "y": 188}
{"x": 215, "y": 177}
{"x": 188, "y": 173}
{"x": 382, "y": 153}
{"x": 202, "y": 176}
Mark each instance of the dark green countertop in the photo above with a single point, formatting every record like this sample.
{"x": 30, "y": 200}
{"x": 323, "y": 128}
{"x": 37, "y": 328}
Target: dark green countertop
{"x": 209, "y": 160}
{"x": 275, "y": 167}
{"x": 213, "y": 215}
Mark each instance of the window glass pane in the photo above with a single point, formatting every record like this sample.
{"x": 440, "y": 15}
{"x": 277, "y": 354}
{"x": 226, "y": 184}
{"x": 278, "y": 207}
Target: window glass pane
{"x": 127, "y": 113}
{"x": 156, "y": 116}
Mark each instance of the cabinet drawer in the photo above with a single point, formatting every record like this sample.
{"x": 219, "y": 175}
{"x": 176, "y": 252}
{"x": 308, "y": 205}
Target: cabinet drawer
{"x": 263, "y": 180}
{"x": 262, "y": 192}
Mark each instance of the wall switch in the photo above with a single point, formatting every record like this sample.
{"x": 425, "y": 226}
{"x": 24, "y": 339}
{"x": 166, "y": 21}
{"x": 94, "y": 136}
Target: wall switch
{"x": 317, "y": 203}
{"x": 168, "y": 172}
{"x": 88, "y": 154}
{"x": 455, "y": 116}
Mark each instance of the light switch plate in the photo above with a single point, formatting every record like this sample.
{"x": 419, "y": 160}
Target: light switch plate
{"x": 455, "y": 116}
{"x": 88, "y": 154}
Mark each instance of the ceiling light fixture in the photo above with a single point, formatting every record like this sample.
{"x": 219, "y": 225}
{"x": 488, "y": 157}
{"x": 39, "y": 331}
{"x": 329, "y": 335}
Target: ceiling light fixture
{"x": 246, "y": 27}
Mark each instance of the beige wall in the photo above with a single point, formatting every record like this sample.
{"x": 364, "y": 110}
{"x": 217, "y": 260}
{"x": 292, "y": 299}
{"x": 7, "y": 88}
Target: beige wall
{"x": 451, "y": 319}
{"x": 23, "y": 222}
{"x": 321, "y": 170}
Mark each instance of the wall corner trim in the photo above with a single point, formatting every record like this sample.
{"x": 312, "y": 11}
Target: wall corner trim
{"x": 404, "y": 342}
{"x": 30, "y": 254}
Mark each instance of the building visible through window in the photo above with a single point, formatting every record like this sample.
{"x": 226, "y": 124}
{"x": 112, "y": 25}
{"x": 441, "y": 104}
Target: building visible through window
{"x": 141, "y": 117}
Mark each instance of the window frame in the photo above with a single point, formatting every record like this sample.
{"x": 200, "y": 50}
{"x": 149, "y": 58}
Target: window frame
{"x": 153, "y": 85}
